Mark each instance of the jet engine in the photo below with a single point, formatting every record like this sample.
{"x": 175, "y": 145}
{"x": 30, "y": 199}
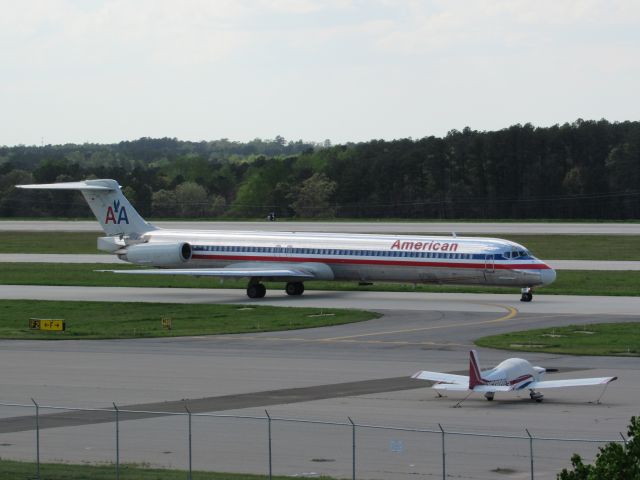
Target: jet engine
{"x": 157, "y": 254}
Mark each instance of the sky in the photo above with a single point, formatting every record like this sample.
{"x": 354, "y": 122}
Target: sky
{"x": 103, "y": 71}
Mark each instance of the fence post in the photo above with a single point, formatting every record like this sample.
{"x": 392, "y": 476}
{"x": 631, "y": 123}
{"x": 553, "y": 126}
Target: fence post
{"x": 269, "y": 443}
{"x": 444, "y": 455}
{"x": 115, "y": 408}
{"x": 530, "y": 451}
{"x": 353, "y": 447}
{"x": 37, "y": 438}
{"x": 190, "y": 454}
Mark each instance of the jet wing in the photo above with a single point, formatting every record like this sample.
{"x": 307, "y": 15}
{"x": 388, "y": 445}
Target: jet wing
{"x": 223, "y": 272}
{"x": 442, "y": 377}
{"x": 572, "y": 382}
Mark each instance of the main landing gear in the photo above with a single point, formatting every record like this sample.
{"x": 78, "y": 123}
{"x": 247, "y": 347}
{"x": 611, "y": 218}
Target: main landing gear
{"x": 255, "y": 289}
{"x": 527, "y": 294}
{"x": 537, "y": 396}
{"x": 294, "y": 288}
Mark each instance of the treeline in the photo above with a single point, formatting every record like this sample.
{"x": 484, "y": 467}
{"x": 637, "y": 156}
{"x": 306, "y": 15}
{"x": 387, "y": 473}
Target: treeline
{"x": 583, "y": 170}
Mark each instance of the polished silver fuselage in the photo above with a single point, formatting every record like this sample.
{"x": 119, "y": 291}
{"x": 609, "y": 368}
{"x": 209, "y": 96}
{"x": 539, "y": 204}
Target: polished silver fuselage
{"x": 367, "y": 258}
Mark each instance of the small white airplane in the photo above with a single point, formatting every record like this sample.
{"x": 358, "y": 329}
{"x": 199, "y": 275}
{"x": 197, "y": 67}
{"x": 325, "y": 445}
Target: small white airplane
{"x": 294, "y": 257}
{"x": 511, "y": 375}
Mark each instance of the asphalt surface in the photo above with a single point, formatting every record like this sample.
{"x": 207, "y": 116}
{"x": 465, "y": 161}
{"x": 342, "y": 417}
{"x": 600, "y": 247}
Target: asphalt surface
{"x": 327, "y": 374}
{"x": 487, "y": 228}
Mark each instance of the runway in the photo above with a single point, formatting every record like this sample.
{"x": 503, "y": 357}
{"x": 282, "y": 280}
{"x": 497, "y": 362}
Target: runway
{"x": 327, "y": 374}
{"x": 382, "y": 227}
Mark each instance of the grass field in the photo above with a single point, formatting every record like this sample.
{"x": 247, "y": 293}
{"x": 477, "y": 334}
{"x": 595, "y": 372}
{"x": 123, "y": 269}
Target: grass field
{"x": 622, "y": 339}
{"x": 553, "y": 247}
{"x": 568, "y": 282}
{"x": 11, "y": 470}
{"x": 95, "y": 320}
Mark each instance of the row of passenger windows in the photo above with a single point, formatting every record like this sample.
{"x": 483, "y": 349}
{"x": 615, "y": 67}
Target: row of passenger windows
{"x": 326, "y": 251}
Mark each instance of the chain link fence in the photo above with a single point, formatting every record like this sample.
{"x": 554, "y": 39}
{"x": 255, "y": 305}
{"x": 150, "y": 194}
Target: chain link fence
{"x": 269, "y": 445}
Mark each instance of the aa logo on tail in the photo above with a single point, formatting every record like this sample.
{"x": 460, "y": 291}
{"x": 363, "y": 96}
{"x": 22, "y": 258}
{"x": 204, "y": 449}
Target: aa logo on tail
{"x": 120, "y": 211}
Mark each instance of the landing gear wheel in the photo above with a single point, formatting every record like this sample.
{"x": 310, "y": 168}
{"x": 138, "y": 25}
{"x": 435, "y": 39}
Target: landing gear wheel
{"x": 489, "y": 395}
{"x": 537, "y": 396}
{"x": 527, "y": 295}
{"x": 256, "y": 290}
{"x": 294, "y": 288}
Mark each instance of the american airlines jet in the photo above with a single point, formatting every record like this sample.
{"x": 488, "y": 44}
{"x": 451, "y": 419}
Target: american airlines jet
{"x": 294, "y": 258}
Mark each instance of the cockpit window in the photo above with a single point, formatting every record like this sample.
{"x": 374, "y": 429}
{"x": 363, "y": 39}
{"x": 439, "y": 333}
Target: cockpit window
{"x": 517, "y": 253}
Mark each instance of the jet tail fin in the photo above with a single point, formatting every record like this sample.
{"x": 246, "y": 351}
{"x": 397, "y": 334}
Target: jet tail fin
{"x": 475, "y": 374}
{"x": 107, "y": 202}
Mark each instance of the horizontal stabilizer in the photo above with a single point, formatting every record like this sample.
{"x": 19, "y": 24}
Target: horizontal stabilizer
{"x": 442, "y": 377}
{"x": 85, "y": 185}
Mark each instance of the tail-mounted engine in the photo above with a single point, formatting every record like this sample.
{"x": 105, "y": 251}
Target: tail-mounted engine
{"x": 157, "y": 254}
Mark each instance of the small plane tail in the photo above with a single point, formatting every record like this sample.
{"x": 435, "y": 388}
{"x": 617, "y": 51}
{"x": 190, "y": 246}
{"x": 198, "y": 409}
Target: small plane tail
{"x": 475, "y": 374}
{"x": 107, "y": 202}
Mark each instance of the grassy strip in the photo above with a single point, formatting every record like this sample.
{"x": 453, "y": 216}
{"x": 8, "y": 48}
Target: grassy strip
{"x": 10, "y": 469}
{"x": 556, "y": 247}
{"x": 95, "y": 320}
{"x": 48, "y": 242}
{"x": 622, "y": 339}
{"x": 580, "y": 247}
{"x": 569, "y": 282}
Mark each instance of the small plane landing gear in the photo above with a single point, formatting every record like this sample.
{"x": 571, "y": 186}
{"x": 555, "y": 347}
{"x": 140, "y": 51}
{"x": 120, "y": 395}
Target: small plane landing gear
{"x": 294, "y": 288}
{"x": 489, "y": 395}
{"x": 527, "y": 294}
{"x": 256, "y": 290}
{"x": 537, "y": 396}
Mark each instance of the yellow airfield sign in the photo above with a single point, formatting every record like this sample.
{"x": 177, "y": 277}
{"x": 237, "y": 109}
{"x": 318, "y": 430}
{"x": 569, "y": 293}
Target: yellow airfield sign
{"x": 47, "y": 324}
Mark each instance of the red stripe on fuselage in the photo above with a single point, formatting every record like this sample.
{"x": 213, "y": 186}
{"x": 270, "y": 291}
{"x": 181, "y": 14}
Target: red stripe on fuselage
{"x": 354, "y": 261}
{"x": 521, "y": 379}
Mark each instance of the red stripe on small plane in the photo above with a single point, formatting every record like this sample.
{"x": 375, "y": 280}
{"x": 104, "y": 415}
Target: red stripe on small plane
{"x": 520, "y": 379}
{"x": 475, "y": 375}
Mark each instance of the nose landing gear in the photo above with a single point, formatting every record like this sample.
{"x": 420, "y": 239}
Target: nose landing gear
{"x": 527, "y": 294}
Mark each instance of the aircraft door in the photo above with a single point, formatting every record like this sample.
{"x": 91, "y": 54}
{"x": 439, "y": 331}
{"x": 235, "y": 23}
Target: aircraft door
{"x": 489, "y": 263}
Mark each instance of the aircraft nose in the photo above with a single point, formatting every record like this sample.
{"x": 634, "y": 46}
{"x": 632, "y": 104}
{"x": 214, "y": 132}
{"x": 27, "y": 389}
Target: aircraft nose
{"x": 547, "y": 276}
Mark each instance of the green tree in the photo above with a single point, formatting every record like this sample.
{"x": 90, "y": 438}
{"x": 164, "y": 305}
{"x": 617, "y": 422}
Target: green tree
{"x": 613, "y": 462}
{"x": 192, "y": 199}
{"x": 312, "y": 198}
{"x": 217, "y": 205}
{"x": 163, "y": 203}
